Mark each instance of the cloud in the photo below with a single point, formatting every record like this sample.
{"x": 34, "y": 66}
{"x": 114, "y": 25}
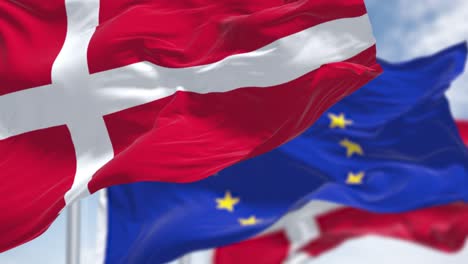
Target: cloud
{"x": 421, "y": 27}
{"x": 434, "y": 25}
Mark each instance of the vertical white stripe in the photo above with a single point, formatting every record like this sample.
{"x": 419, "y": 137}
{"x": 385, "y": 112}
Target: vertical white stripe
{"x": 70, "y": 75}
{"x": 93, "y": 150}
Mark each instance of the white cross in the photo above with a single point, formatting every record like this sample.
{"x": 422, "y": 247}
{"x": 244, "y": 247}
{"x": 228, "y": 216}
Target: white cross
{"x": 80, "y": 100}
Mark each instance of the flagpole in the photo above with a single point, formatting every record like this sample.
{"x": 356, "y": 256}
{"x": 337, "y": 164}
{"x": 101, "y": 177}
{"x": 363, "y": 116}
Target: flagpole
{"x": 73, "y": 233}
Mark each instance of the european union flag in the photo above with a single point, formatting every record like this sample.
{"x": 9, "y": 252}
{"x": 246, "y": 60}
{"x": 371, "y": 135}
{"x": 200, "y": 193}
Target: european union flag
{"x": 391, "y": 146}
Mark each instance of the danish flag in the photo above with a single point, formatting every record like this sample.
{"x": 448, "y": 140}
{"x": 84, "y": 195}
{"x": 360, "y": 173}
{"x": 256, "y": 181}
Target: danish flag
{"x": 97, "y": 93}
{"x": 319, "y": 228}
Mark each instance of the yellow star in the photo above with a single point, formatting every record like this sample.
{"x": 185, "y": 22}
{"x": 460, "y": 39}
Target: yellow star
{"x": 355, "y": 179}
{"x": 252, "y": 220}
{"x": 227, "y": 202}
{"x": 339, "y": 120}
{"x": 351, "y": 148}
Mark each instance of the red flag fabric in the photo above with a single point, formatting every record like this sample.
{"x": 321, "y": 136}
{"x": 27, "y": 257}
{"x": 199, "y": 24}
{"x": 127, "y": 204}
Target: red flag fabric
{"x": 463, "y": 128}
{"x": 306, "y": 236}
{"x": 102, "y": 92}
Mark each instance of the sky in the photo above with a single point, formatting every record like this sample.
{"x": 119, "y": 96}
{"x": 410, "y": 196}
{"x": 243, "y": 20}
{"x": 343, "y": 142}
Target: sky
{"x": 404, "y": 29}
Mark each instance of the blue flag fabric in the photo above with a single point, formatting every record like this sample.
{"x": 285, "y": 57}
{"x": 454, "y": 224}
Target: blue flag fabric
{"x": 391, "y": 146}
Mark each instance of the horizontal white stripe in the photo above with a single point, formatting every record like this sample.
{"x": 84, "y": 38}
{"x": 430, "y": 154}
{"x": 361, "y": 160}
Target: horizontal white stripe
{"x": 79, "y": 100}
{"x": 280, "y": 62}
{"x": 23, "y": 111}
{"x": 111, "y": 91}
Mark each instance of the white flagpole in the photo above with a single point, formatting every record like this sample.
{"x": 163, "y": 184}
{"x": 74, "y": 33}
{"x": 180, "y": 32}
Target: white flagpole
{"x": 101, "y": 228}
{"x": 73, "y": 233}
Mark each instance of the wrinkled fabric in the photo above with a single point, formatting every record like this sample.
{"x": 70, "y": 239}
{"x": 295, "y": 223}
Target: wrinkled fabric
{"x": 95, "y": 93}
{"x": 396, "y": 148}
